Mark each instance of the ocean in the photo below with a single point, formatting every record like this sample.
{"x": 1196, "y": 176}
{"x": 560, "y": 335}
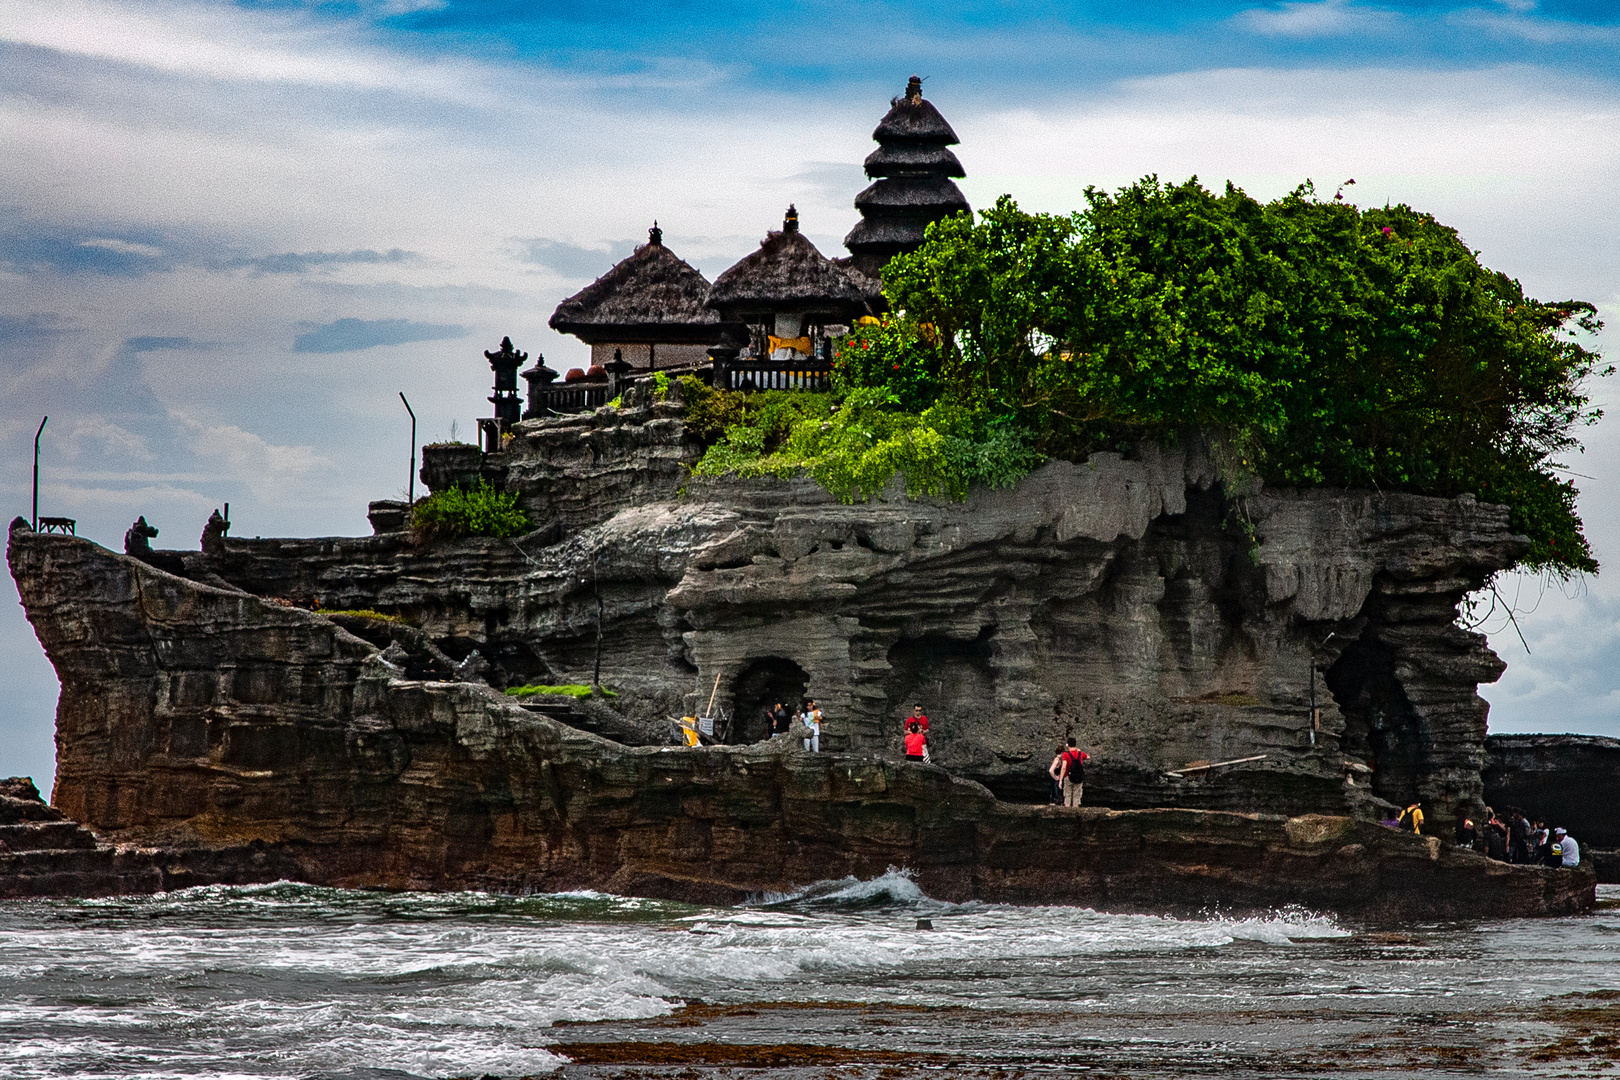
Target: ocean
{"x": 292, "y": 980}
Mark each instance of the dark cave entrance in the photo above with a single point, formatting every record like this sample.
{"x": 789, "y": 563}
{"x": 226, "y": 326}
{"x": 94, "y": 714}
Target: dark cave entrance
{"x": 1380, "y": 724}
{"x": 950, "y": 678}
{"x": 761, "y": 685}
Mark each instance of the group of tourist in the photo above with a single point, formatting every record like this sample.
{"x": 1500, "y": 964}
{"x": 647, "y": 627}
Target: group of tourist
{"x": 1519, "y": 840}
{"x": 780, "y": 721}
{"x": 1068, "y": 773}
{"x": 916, "y": 736}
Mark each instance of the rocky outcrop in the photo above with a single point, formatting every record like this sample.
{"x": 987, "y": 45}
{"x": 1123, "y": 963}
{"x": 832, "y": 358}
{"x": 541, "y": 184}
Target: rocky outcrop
{"x": 210, "y": 729}
{"x": 1127, "y": 601}
{"x": 1118, "y": 601}
{"x": 43, "y": 853}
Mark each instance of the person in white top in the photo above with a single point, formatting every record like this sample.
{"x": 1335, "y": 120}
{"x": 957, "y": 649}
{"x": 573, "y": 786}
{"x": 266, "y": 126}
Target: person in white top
{"x": 812, "y": 720}
{"x": 1568, "y": 847}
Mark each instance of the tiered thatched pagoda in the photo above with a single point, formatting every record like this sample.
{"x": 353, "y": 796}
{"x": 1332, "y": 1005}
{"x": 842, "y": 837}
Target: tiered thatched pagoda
{"x": 649, "y": 309}
{"x": 912, "y": 169}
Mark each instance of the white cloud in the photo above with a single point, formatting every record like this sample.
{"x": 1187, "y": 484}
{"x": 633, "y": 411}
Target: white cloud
{"x": 273, "y": 473}
{"x": 1315, "y": 19}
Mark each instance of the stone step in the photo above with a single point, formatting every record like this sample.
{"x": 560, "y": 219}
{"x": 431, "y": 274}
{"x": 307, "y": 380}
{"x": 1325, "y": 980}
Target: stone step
{"x": 557, "y": 710}
{"x": 44, "y": 836}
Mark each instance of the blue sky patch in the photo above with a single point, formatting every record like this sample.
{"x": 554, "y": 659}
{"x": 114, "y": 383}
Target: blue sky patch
{"x": 352, "y": 335}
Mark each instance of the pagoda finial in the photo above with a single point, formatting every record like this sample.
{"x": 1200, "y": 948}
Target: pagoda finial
{"x": 655, "y": 235}
{"x": 790, "y": 223}
{"x": 913, "y": 90}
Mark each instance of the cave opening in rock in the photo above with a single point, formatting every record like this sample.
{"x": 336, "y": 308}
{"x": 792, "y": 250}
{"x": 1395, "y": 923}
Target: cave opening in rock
{"x": 1381, "y": 727}
{"x": 951, "y": 679}
{"x": 762, "y": 684}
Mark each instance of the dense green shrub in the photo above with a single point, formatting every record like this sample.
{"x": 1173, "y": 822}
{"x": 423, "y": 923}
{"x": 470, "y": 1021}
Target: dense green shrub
{"x": 1318, "y": 342}
{"x": 1324, "y": 344}
{"x": 477, "y": 511}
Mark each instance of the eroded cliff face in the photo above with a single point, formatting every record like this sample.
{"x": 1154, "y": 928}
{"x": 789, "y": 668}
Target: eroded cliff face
{"x": 210, "y": 735}
{"x": 1124, "y": 601}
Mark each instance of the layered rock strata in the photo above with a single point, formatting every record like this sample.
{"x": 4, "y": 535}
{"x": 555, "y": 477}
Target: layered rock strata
{"x": 1126, "y": 601}
{"x": 211, "y": 728}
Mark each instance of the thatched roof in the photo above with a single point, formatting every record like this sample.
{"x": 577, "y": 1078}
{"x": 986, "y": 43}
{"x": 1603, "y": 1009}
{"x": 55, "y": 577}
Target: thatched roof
{"x": 787, "y": 274}
{"x": 911, "y": 119}
{"x": 891, "y": 234}
{"x": 897, "y": 159}
{"x": 651, "y": 296}
{"x": 937, "y": 195}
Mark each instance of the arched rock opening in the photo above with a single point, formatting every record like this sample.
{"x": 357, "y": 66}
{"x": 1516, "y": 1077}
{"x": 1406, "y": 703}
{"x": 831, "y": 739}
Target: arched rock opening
{"x": 1380, "y": 725}
{"x": 761, "y": 685}
{"x": 951, "y": 679}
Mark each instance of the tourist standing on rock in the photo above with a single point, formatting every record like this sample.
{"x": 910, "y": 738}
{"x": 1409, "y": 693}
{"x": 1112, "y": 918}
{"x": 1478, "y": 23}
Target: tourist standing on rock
{"x": 812, "y": 720}
{"x": 1055, "y": 771}
{"x": 1519, "y": 831}
{"x": 778, "y": 719}
{"x": 1069, "y": 770}
{"x": 1496, "y": 839}
{"x": 920, "y": 718}
{"x": 1415, "y": 812}
{"x": 916, "y": 742}
{"x": 1540, "y": 841}
{"x": 1569, "y": 852}
{"x": 1467, "y": 835}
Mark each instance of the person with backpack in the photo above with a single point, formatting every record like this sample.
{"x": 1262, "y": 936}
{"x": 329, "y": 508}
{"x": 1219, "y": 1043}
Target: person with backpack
{"x": 1069, "y": 770}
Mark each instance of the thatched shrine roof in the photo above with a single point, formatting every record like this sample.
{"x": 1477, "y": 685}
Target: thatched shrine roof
{"x": 787, "y": 274}
{"x": 652, "y": 295}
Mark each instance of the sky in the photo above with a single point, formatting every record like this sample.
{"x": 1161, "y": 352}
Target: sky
{"x": 231, "y": 234}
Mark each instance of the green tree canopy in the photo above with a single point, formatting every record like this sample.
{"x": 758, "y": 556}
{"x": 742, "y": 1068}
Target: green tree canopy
{"x": 1323, "y": 343}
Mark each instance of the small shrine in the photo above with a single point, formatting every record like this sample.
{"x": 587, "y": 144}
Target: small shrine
{"x": 647, "y": 311}
{"x": 912, "y": 171}
{"x": 787, "y": 293}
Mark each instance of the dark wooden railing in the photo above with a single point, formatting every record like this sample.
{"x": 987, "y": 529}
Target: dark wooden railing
{"x": 572, "y": 397}
{"x": 805, "y": 374}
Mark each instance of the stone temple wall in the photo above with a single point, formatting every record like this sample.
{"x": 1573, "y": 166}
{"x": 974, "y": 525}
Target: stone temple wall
{"x": 1115, "y": 601}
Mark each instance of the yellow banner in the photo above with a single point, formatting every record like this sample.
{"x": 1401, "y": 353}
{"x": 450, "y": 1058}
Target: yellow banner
{"x": 798, "y": 344}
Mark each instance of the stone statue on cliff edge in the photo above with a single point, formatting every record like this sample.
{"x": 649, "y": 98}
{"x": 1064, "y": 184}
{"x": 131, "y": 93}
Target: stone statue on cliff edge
{"x": 213, "y": 537}
{"x": 138, "y": 538}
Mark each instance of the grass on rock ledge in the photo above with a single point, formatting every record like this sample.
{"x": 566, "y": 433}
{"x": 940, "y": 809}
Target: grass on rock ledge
{"x": 573, "y": 690}
{"x": 478, "y": 511}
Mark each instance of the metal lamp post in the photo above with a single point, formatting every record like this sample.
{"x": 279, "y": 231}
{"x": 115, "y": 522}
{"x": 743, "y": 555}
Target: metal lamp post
{"x": 37, "y": 434}
{"x": 411, "y": 484}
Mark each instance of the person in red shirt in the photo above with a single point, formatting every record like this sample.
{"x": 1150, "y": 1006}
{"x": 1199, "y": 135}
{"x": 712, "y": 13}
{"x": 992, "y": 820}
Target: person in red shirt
{"x": 916, "y": 742}
{"x": 917, "y": 718}
{"x": 1069, "y": 770}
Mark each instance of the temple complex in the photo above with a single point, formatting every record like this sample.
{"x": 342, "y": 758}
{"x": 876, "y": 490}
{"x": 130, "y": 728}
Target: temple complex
{"x": 764, "y": 322}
